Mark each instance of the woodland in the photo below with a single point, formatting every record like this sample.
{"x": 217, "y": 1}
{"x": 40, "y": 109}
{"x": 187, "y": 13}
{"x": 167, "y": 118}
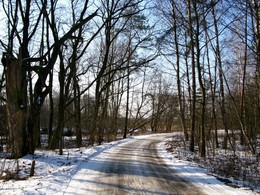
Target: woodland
{"x": 102, "y": 70}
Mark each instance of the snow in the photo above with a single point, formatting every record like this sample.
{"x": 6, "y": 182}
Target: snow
{"x": 53, "y": 172}
{"x": 200, "y": 177}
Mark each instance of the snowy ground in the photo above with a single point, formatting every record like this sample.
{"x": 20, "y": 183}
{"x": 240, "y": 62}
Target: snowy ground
{"x": 54, "y": 172}
{"x": 200, "y": 177}
{"x": 236, "y": 168}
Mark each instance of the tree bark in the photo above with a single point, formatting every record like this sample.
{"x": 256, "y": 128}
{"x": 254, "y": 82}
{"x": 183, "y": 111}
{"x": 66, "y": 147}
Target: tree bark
{"x": 57, "y": 141}
{"x": 180, "y": 99}
{"x": 221, "y": 80}
{"x": 201, "y": 83}
{"x": 193, "y": 64}
{"x": 16, "y": 106}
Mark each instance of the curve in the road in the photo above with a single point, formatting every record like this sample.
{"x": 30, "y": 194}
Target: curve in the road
{"x": 129, "y": 168}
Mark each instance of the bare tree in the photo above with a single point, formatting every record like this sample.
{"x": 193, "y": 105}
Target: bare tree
{"x": 117, "y": 16}
{"x": 18, "y": 68}
{"x": 70, "y": 56}
{"x": 174, "y": 18}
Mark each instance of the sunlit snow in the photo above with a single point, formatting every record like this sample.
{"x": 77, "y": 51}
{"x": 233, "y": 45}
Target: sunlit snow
{"x": 53, "y": 172}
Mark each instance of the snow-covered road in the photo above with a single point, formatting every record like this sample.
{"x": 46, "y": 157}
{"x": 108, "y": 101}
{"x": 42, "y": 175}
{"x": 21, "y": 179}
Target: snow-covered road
{"x": 129, "y": 168}
{"x": 136, "y": 165}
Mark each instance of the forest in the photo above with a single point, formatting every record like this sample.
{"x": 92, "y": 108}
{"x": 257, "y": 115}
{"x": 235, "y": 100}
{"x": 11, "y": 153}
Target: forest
{"x": 101, "y": 70}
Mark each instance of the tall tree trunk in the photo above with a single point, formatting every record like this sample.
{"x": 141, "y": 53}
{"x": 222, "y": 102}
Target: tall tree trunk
{"x": 221, "y": 80}
{"x": 127, "y": 106}
{"x": 16, "y": 106}
{"x": 50, "y": 126}
{"x": 127, "y": 99}
{"x": 77, "y": 118}
{"x": 193, "y": 64}
{"x": 257, "y": 71}
{"x": 180, "y": 100}
{"x": 242, "y": 96}
{"x": 201, "y": 83}
{"x": 188, "y": 83}
{"x": 212, "y": 82}
{"x": 56, "y": 141}
{"x": 33, "y": 126}
{"x": 95, "y": 118}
